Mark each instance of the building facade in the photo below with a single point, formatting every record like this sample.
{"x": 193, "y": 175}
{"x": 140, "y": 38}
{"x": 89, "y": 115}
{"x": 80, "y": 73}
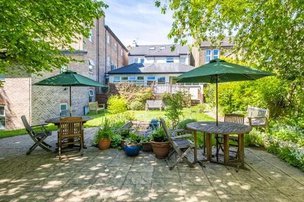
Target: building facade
{"x": 207, "y": 52}
{"x": 38, "y": 103}
{"x": 149, "y": 54}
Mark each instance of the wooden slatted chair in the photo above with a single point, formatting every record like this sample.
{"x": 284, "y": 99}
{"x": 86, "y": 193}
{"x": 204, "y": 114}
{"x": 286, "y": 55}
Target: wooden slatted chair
{"x": 95, "y": 107}
{"x": 70, "y": 133}
{"x": 233, "y": 140}
{"x": 38, "y": 133}
{"x": 180, "y": 145}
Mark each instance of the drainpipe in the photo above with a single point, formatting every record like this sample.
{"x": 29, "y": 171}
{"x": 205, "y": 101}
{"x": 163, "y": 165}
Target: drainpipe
{"x": 97, "y": 55}
{"x": 106, "y": 44}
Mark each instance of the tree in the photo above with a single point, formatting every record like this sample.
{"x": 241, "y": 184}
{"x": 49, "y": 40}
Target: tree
{"x": 33, "y": 32}
{"x": 268, "y": 33}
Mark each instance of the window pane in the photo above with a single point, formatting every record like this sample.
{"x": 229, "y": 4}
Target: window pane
{"x": 216, "y": 53}
{"x": 151, "y": 78}
{"x": 116, "y": 78}
{"x": 140, "y": 78}
{"x": 63, "y": 106}
{"x": 132, "y": 78}
{"x": 142, "y": 60}
{"x": 2, "y": 122}
{"x": 124, "y": 78}
{"x": 2, "y": 111}
{"x": 169, "y": 60}
{"x": 161, "y": 80}
{"x": 208, "y": 52}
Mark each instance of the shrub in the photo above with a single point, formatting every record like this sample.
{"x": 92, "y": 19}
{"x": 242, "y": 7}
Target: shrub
{"x": 159, "y": 135}
{"x": 116, "y": 141}
{"x": 117, "y": 104}
{"x": 136, "y": 105}
{"x": 104, "y": 132}
{"x": 174, "y": 106}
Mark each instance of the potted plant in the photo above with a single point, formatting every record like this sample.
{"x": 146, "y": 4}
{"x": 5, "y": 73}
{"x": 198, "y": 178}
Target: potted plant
{"x": 132, "y": 145}
{"x": 160, "y": 143}
{"x": 146, "y": 143}
{"x": 103, "y": 136}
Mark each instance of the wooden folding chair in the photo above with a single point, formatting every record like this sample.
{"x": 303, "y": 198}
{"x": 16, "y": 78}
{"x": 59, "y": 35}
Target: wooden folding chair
{"x": 180, "y": 145}
{"x": 38, "y": 133}
{"x": 70, "y": 133}
{"x": 233, "y": 140}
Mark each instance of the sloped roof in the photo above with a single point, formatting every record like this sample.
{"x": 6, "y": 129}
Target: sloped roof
{"x": 155, "y": 68}
{"x": 158, "y": 50}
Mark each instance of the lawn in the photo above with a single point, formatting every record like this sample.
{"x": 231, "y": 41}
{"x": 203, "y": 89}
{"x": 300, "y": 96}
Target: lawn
{"x": 146, "y": 116}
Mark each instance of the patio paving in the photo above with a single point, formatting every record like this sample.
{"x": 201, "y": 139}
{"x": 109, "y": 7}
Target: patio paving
{"x": 111, "y": 176}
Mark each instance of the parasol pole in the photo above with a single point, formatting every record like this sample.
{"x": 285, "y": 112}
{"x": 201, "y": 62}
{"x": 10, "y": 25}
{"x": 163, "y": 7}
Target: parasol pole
{"x": 216, "y": 98}
{"x": 70, "y": 101}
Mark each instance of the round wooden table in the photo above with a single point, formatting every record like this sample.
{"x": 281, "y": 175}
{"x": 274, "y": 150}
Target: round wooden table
{"x": 56, "y": 120}
{"x": 225, "y": 129}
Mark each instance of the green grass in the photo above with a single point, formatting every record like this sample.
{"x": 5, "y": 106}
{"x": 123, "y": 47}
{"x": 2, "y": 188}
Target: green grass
{"x": 146, "y": 116}
{"x": 97, "y": 119}
{"x": 11, "y": 133}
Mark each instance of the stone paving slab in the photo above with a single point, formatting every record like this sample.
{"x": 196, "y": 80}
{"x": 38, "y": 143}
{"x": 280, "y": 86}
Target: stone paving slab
{"x": 111, "y": 176}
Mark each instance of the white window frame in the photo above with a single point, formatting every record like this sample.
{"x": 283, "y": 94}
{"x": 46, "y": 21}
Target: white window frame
{"x": 116, "y": 79}
{"x": 2, "y": 116}
{"x": 124, "y": 80}
{"x": 161, "y": 77}
{"x": 132, "y": 78}
{"x": 215, "y": 56}
{"x": 150, "y": 79}
{"x": 63, "y": 104}
{"x": 208, "y": 56}
{"x": 169, "y": 59}
{"x": 142, "y": 78}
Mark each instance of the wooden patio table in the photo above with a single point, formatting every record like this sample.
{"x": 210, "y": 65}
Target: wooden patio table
{"x": 56, "y": 121}
{"x": 225, "y": 129}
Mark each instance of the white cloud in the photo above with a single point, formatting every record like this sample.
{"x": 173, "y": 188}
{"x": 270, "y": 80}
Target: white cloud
{"x": 138, "y": 20}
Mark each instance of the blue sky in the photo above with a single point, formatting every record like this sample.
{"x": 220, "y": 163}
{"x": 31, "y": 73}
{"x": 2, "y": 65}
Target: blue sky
{"x": 138, "y": 20}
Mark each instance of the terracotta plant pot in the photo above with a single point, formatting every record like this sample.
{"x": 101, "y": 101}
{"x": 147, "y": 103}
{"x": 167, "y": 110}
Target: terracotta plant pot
{"x": 104, "y": 144}
{"x": 147, "y": 147}
{"x": 160, "y": 149}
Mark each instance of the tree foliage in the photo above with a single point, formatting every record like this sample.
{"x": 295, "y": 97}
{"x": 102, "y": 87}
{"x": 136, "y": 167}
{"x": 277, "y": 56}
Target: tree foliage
{"x": 33, "y": 32}
{"x": 269, "y": 33}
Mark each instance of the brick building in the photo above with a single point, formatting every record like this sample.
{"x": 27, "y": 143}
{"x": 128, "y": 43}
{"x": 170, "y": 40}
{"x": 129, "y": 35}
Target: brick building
{"x": 207, "y": 52}
{"x": 38, "y": 103}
